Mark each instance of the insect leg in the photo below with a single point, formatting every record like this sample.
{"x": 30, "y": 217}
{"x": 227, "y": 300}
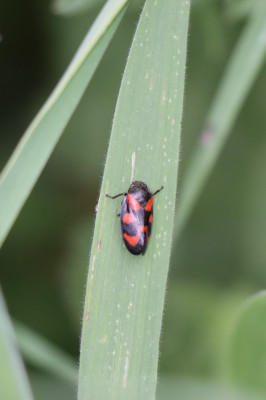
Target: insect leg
{"x": 157, "y": 191}
{"x": 117, "y": 195}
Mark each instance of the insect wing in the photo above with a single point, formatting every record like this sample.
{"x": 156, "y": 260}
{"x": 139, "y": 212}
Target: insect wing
{"x": 148, "y": 217}
{"x": 132, "y": 225}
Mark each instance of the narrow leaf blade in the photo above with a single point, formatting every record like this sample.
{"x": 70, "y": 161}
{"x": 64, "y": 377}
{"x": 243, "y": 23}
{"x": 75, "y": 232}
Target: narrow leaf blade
{"x": 13, "y": 379}
{"x": 38, "y": 142}
{"x": 125, "y": 293}
{"x": 239, "y": 76}
{"x": 248, "y": 344}
{"x": 68, "y": 7}
{"x": 45, "y": 355}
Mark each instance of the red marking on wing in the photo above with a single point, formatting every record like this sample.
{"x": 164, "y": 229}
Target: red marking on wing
{"x": 128, "y": 218}
{"x": 133, "y": 240}
{"x": 150, "y": 219}
{"x": 133, "y": 203}
{"x": 146, "y": 233}
{"x": 148, "y": 206}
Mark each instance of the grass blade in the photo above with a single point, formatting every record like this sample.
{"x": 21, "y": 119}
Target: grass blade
{"x": 241, "y": 73}
{"x": 125, "y": 293}
{"x": 43, "y": 354}
{"x": 68, "y": 7}
{"x": 38, "y": 142}
{"x": 13, "y": 379}
{"x": 248, "y": 344}
{"x": 172, "y": 388}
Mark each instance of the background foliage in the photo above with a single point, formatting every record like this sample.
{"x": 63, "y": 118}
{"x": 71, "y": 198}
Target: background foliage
{"x": 220, "y": 258}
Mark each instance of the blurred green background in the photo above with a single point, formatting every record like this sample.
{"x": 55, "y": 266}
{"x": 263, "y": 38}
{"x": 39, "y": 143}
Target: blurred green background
{"x": 219, "y": 260}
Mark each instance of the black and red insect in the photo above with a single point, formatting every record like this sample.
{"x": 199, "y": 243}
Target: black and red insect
{"x": 136, "y": 216}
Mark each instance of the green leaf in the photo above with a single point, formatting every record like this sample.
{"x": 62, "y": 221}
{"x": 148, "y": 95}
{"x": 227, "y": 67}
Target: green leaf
{"x": 68, "y": 7}
{"x": 43, "y": 354}
{"x": 13, "y": 379}
{"x": 38, "y": 142}
{"x": 248, "y": 344}
{"x": 48, "y": 387}
{"x": 237, "y": 9}
{"x": 125, "y": 293}
{"x": 172, "y": 388}
{"x": 239, "y": 76}
{"x": 71, "y": 7}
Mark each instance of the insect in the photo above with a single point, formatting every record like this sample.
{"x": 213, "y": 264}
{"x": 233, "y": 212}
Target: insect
{"x": 136, "y": 216}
